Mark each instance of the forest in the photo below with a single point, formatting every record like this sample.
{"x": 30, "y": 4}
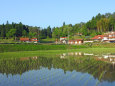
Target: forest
{"x": 97, "y": 25}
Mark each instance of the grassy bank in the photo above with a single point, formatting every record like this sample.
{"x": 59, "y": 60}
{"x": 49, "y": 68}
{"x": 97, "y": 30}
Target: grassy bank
{"x": 7, "y": 41}
{"x": 34, "y": 47}
{"x": 54, "y": 53}
{"x": 103, "y": 45}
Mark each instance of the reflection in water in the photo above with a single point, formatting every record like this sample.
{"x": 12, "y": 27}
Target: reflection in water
{"x": 83, "y": 69}
{"x": 107, "y": 57}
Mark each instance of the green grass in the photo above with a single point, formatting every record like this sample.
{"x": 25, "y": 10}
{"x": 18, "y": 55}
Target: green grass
{"x": 34, "y": 47}
{"x": 54, "y": 53}
{"x": 104, "y": 45}
{"x": 7, "y": 40}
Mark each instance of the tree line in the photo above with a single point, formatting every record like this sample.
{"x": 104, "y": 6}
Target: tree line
{"x": 97, "y": 25}
{"x": 20, "y": 30}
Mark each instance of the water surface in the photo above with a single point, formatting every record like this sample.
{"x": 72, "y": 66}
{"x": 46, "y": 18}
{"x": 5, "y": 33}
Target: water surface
{"x": 67, "y": 69}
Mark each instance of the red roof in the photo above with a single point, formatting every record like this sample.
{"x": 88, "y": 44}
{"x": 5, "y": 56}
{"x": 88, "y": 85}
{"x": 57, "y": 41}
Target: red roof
{"x": 24, "y": 39}
{"x": 63, "y": 37}
{"x": 34, "y": 39}
{"x": 98, "y": 37}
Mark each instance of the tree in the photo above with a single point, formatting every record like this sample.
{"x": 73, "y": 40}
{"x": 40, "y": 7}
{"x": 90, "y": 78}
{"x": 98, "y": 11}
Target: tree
{"x": 31, "y": 35}
{"x": 3, "y": 32}
{"x": 63, "y": 23}
{"x": 103, "y": 25}
{"x": 19, "y": 29}
{"x": 11, "y": 33}
{"x": 57, "y": 32}
{"x": 112, "y": 23}
{"x": 49, "y": 32}
{"x": 84, "y": 30}
{"x": 24, "y": 33}
{"x": 43, "y": 34}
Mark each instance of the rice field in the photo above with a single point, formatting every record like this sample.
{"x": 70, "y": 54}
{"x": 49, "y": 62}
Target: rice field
{"x": 74, "y": 69}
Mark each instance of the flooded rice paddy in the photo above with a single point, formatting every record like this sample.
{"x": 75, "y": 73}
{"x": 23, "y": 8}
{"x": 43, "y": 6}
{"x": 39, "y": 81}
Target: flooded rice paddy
{"x": 67, "y": 69}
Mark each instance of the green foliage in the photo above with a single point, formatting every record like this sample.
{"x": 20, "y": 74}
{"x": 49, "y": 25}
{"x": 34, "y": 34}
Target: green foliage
{"x": 89, "y": 44}
{"x": 103, "y": 25}
{"x": 84, "y": 30}
{"x": 93, "y": 33}
{"x": 24, "y": 33}
{"x": 32, "y": 35}
{"x": 49, "y": 32}
{"x": 11, "y": 33}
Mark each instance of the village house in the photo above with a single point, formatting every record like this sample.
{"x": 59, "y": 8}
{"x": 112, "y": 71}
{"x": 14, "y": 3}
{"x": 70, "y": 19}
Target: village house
{"x": 107, "y": 37}
{"x": 34, "y": 40}
{"x": 98, "y": 38}
{"x": 77, "y": 41}
{"x": 27, "y": 40}
{"x": 63, "y": 40}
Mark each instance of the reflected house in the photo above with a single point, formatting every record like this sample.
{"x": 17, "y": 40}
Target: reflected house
{"x": 78, "y": 53}
{"x": 88, "y": 54}
{"x": 71, "y": 54}
{"x": 28, "y": 58}
{"x": 75, "y": 54}
{"x": 75, "y": 42}
{"x": 34, "y": 58}
{"x": 107, "y": 58}
{"x": 65, "y": 55}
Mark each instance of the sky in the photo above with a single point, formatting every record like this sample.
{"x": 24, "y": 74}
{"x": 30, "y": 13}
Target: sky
{"x": 52, "y": 12}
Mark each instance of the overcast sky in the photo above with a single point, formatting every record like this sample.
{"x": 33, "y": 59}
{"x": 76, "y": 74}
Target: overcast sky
{"x": 52, "y": 12}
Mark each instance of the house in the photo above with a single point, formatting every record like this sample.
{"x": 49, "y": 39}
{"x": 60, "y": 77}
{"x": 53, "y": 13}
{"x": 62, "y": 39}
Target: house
{"x": 98, "y": 38}
{"x": 34, "y": 40}
{"x": 25, "y": 40}
{"x": 110, "y": 36}
{"x": 77, "y": 41}
{"x": 107, "y": 37}
{"x": 28, "y": 40}
{"x": 63, "y": 40}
